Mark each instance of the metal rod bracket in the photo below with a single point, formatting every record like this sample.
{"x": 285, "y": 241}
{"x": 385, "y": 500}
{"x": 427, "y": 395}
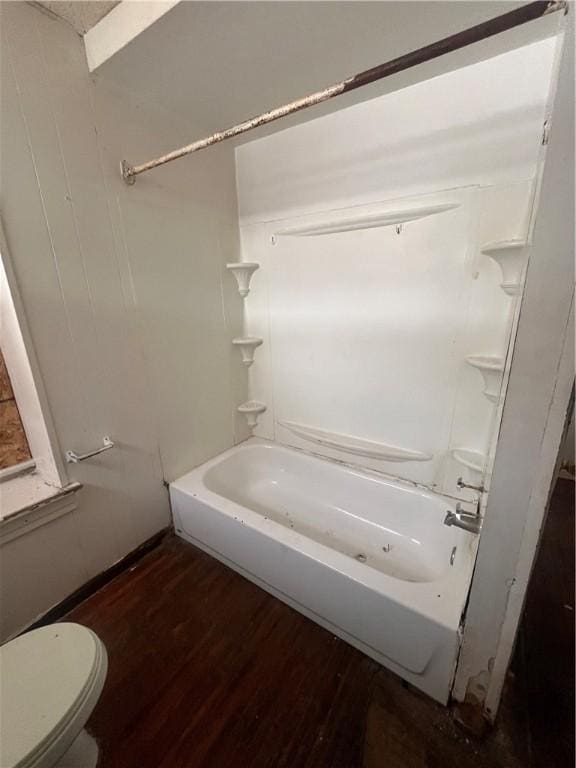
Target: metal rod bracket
{"x": 127, "y": 172}
{"x": 557, "y": 5}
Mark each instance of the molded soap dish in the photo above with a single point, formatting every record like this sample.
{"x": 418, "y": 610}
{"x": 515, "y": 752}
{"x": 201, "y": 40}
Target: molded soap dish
{"x": 247, "y": 346}
{"x": 243, "y": 271}
{"x": 509, "y": 255}
{"x": 366, "y": 221}
{"x": 355, "y": 445}
{"x": 251, "y": 410}
{"x": 491, "y": 368}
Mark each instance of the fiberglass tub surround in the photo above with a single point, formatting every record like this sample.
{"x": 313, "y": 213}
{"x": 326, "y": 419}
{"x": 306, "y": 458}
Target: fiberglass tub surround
{"x": 385, "y": 331}
{"x": 381, "y": 273}
{"x": 365, "y": 556}
{"x": 374, "y": 324}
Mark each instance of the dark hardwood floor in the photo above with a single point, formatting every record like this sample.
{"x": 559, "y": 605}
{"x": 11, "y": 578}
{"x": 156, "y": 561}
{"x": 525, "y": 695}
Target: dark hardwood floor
{"x": 544, "y": 663}
{"x": 206, "y": 669}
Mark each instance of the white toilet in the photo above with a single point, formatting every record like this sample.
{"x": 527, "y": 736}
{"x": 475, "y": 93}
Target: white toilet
{"x": 50, "y": 681}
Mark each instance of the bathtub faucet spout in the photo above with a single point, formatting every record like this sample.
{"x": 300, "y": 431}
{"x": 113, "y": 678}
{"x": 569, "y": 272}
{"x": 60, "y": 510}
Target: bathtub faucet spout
{"x": 469, "y": 521}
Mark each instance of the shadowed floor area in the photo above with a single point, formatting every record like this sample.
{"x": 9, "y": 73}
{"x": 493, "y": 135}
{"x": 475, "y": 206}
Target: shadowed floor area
{"x": 208, "y": 670}
{"x": 544, "y": 663}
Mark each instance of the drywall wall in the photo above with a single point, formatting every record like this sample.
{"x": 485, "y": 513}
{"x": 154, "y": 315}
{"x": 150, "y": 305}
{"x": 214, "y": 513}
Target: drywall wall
{"x": 56, "y": 224}
{"x": 120, "y": 27}
{"x": 175, "y": 234}
{"x": 108, "y": 292}
{"x": 81, "y": 16}
{"x": 539, "y": 390}
{"x": 223, "y": 62}
{"x": 366, "y": 332}
{"x": 476, "y": 125}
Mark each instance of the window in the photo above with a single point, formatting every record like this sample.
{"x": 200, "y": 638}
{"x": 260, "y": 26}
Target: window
{"x": 14, "y": 448}
{"x": 34, "y": 488}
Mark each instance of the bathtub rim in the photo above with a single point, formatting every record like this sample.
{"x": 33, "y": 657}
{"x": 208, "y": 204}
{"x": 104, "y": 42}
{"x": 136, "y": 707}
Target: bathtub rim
{"x": 421, "y": 597}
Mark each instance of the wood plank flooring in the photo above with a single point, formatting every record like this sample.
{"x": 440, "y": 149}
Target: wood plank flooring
{"x": 207, "y": 670}
{"x": 544, "y": 663}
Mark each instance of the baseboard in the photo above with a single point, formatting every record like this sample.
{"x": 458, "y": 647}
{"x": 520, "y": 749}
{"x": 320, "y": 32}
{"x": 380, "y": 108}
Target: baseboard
{"x": 97, "y": 582}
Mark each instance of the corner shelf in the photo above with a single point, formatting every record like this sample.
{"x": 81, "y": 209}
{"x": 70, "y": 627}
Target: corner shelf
{"x": 474, "y": 461}
{"x": 365, "y": 221}
{"x": 355, "y": 445}
{"x": 251, "y": 410}
{"x": 243, "y": 271}
{"x": 247, "y": 346}
{"x": 491, "y": 368}
{"x": 509, "y": 255}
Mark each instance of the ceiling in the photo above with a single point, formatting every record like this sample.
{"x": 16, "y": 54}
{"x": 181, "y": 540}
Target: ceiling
{"x": 214, "y": 64}
{"x": 82, "y": 14}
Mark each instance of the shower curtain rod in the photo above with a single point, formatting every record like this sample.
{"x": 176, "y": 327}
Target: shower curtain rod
{"x": 486, "y": 29}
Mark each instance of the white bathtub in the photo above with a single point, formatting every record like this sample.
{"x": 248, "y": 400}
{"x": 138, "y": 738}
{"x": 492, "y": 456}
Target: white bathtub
{"x": 366, "y": 557}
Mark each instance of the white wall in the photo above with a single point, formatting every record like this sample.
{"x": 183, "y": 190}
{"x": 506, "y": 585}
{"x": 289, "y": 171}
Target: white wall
{"x": 175, "y": 233}
{"x": 110, "y": 294}
{"x": 366, "y": 332}
{"x": 222, "y": 62}
{"x": 539, "y": 390}
{"x": 476, "y": 125}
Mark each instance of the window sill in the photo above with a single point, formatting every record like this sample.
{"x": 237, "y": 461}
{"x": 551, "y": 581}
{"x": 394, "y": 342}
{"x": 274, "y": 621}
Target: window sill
{"x": 27, "y": 502}
{"x": 24, "y": 468}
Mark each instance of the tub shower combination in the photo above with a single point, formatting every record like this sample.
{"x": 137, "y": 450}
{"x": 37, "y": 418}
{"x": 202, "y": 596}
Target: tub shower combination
{"x": 383, "y": 563}
{"x": 368, "y": 558}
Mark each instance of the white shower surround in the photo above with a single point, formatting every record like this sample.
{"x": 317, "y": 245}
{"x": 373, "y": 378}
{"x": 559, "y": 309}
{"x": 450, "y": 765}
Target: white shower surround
{"x": 368, "y": 311}
{"x": 366, "y": 557}
{"x": 364, "y": 328}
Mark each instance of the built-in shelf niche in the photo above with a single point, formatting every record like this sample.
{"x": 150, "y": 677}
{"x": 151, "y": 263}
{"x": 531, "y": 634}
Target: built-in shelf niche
{"x": 474, "y": 461}
{"x": 243, "y": 271}
{"x": 491, "y": 368}
{"x": 351, "y": 223}
{"x": 251, "y": 410}
{"x": 354, "y": 445}
{"x": 510, "y": 257}
{"x": 247, "y": 345}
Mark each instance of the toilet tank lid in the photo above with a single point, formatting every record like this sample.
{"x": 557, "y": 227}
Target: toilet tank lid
{"x": 46, "y": 677}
